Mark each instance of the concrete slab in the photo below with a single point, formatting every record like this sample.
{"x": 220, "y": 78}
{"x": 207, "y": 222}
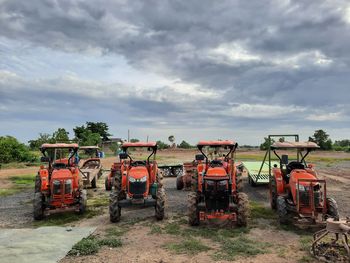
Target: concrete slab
{"x": 43, "y": 244}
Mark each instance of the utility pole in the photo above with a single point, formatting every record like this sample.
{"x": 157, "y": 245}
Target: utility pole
{"x": 128, "y": 135}
{"x": 147, "y": 138}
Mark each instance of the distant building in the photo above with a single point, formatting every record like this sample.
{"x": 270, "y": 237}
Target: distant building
{"x": 107, "y": 144}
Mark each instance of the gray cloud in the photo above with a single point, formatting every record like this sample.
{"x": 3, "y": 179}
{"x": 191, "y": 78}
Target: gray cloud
{"x": 257, "y": 62}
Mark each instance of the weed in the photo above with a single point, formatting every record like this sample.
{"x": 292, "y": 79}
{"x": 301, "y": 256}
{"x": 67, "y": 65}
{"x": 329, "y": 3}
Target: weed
{"x": 190, "y": 247}
{"x": 116, "y": 231}
{"x": 98, "y": 202}
{"x": 173, "y": 229}
{"x": 305, "y": 242}
{"x": 91, "y": 245}
{"x": 6, "y": 192}
{"x": 155, "y": 229}
{"x": 241, "y": 246}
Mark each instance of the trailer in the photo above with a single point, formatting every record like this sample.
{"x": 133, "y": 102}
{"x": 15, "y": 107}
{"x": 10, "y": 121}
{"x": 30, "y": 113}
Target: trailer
{"x": 171, "y": 170}
{"x": 90, "y": 165}
{"x": 259, "y": 173}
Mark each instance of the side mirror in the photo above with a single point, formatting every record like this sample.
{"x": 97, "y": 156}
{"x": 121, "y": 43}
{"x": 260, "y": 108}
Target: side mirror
{"x": 199, "y": 157}
{"x": 284, "y": 159}
{"x": 123, "y": 156}
{"x": 45, "y": 159}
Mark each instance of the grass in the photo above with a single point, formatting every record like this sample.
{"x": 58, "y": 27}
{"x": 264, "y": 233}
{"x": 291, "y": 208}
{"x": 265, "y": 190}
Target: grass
{"x": 305, "y": 242}
{"x": 116, "y": 231}
{"x": 189, "y": 247}
{"x": 240, "y": 246}
{"x": 91, "y": 245}
{"x": 101, "y": 201}
{"x": 155, "y": 230}
{"x": 19, "y": 183}
{"x": 67, "y": 217}
{"x": 257, "y": 210}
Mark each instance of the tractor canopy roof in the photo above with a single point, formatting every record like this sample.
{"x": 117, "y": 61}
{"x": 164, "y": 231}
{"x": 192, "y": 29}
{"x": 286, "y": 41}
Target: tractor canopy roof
{"x": 216, "y": 143}
{"x": 88, "y": 147}
{"x": 294, "y": 145}
{"x": 59, "y": 145}
{"x": 139, "y": 144}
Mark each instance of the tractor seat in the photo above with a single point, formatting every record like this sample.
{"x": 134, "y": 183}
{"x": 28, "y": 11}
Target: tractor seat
{"x": 59, "y": 166}
{"x": 294, "y": 165}
{"x": 216, "y": 163}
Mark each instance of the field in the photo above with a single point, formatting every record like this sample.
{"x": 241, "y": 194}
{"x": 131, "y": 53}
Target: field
{"x": 140, "y": 238}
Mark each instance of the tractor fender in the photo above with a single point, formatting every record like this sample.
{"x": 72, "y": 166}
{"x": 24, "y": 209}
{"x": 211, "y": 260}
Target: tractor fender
{"x": 277, "y": 174}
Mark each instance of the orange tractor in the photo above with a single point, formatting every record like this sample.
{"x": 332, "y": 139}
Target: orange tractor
{"x": 295, "y": 190}
{"x": 58, "y": 186}
{"x": 216, "y": 186}
{"x": 137, "y": 183}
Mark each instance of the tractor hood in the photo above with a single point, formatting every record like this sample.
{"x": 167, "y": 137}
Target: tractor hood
{"x": 61, "y": 174}
{"x": 216, "y": 172}
{"x": 138, "y": 172}
{"x": 298, "y": 174}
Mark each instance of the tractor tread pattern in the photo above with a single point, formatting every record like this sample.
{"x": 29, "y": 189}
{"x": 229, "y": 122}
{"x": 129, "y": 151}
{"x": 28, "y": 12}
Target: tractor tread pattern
{"x": 243, "y": 209}
{"x": 38, "y": 206}
{"x": 282, "y": 210}
{"x": 192, "y": 206}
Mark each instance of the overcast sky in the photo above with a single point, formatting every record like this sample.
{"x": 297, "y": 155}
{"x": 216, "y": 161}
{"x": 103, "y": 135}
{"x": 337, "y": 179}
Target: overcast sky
{"x": 195, "y": 69}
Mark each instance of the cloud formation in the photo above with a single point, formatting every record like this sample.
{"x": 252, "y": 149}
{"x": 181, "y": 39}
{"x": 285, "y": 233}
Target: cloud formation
{"x": 163, "y": 67}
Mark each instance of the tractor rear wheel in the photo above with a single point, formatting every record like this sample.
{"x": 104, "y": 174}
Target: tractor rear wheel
{"x": 114, "y": 208}
{"x": 179, "y": 182}
{"x": 332, "y": 209}
{"x": 38, "y": 205}
{"x": 82, "y": 202}
{"x": 273, "y": 193}
{"x": 94, "y": 183}
{"x": 251, "y": 181}
{"x": 108, "y": 185}
{"x": 37, "y": 183}
{"x": 160, "y": 203}
{"x": 192, "y": 206}
{"x": 282, "y": 210}
{"x": 243, "y": 209}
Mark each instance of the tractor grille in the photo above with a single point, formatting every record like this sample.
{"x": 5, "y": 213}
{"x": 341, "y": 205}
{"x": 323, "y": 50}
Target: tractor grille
{"x": 137, "y": 188}
{"x": 305, "y": 198}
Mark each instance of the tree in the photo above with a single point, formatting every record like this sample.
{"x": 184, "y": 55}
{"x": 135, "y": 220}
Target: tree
{"x": 88, "y": 138}
{"x": 43, "y": 138}
{"x": 184, "y": 145}
{"x": 134, "y": 140}
{"x": 99, "y": 128}
{"x": 61, "y": 135}
{"x": 322, "y": 139}
{"x": 162, "y": 145}
{"x": 266, "y": 144}
{"x": 11, "y": 150}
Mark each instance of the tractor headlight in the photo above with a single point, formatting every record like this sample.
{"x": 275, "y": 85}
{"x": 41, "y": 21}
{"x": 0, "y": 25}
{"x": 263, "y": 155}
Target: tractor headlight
{"x": 143, "y": 179}
{"x": 132, "y": 180}
{"x": 221, "y": 183}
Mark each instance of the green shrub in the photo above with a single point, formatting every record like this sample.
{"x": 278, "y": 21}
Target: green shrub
{"x": 11, "y": 150}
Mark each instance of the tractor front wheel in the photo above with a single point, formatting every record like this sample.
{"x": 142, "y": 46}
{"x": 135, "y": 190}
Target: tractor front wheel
{"x": 37, "y": 183}
{"x": 114, "y": 208}
{"x": 282, "y": 210}
{"x": 273, "y": 193}
{"x": 38, "y": 205}
{"x": 192, "y": 206}
{"x": 82, "y": 202}
{"x": 243, "y": 209}
{"x": 179, "y": 182}
{"x": 160, "y": 203}
{"x": 332, "y": 209}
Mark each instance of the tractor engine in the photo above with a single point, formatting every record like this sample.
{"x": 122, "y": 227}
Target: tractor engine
{"x": 62, "y": 185}
{"x": 216, "y": 193}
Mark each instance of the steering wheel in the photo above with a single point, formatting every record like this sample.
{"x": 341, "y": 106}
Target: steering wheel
{"x": 215, "y": 163}
{"x": 138, "y": 163}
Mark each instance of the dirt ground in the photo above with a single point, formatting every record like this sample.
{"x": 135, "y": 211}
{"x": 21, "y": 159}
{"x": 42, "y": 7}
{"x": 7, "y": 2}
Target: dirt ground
{"x": 146, "y": 240}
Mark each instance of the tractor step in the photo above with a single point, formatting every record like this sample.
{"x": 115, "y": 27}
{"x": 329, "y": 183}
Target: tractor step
{"x": 137, "y": 202}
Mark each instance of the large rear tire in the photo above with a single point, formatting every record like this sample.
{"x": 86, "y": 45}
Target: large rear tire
{"x": 192, "y": 206}
{"x": 282, "y": 210}
{"x": 114, "y": 208}
{"x": 243, "y": 209}
{"x": 94, "y": 183}
{"x": 38, "y": 206}
{"x": 37, "y": 184}
{"x": 179, "y": 182}
{"x": 332, "y": 209}
{"x": 108, "y": 184}
{"x": 273, "y": 193}
{"x": 160, "y": 203}
{"x": 82, "y": 202}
